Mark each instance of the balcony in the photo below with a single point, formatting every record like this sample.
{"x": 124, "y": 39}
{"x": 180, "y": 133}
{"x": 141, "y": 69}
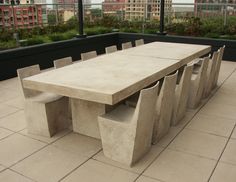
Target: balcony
{"x": 202, "y": 146}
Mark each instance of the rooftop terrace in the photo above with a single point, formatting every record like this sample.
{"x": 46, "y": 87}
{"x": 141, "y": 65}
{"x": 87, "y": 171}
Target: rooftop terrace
{"x": 201, "y": 148}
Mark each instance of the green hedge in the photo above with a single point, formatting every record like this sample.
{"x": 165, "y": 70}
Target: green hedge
{"x": 205, "y": 27}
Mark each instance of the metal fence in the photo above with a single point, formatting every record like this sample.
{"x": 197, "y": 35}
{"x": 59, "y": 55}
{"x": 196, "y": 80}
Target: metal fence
{"x": 31, "y": 15}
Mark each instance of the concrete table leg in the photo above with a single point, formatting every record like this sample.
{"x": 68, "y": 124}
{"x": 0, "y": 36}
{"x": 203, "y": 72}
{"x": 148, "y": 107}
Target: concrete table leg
{"x": 85, "y": 117}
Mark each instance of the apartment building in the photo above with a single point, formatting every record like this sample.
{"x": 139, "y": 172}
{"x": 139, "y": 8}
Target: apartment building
{"x": 148, "y": 9}
{"x": 27, "y": 16}
{"x": 113, "y": 6}
{"x": 214, "y": 7}
{"x": 22, "y": 13}
{"x": 69, "y": 5}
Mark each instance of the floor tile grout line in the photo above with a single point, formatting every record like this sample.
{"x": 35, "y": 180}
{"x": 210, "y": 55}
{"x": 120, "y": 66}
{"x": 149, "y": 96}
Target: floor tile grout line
{"x": 189, "y": 153}
{"x": 221, "y": 155}
{"x": 22, "y": 174}
{"x": 7, "y": 136}
{"x": 1, "y": 117}
{"x": 8, "y": 129}
{"x": 106, "y": 163}
{"x": 79, "y": 165}
{"x": 101, "y": 149}
{"x": 152, "y": 178}
{"x": 18, "y": 97}
{"x": 123, "y": 168}
{"x": 205, "y": 132}
{"x": 221, "y": 117}
{"x": 166, "y": 146}
{"x": 4, "y": 101}
{"x": 198, "y": 109}
{"x": 232, "y": 164}
{"x": 46, "y": 145}
{"x": 25, "y": 135}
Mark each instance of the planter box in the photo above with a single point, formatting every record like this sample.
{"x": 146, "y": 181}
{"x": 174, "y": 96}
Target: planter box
{"x": 44, "y": 54}
{"x": 230, "y": 51}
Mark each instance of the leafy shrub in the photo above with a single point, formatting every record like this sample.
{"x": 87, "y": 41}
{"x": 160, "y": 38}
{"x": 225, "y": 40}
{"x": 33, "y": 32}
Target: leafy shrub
{"x": 7, "y": 44}
{"x": 176, "y": 28}
{"x": 130, "y": 30}
{"x": 212, "y": 35}
{"x": 97, "y": 30}
{"x": 33, "y": 41}
{"x": 72, "y": 23}
{"x": 70, "y": 34}
{"x": 151, "y": 31}
{"x": 193, "y": 25}
{"x": 57, "y": 37}
{"x": 6, "y": 35}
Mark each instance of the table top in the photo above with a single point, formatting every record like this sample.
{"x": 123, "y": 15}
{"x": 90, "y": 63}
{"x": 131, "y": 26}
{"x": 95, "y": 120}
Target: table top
{"x": 179, "y": 51}
{"x": 109, "y": 78}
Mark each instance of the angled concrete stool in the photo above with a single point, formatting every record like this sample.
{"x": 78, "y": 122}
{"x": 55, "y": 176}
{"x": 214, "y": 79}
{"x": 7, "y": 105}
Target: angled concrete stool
{"x": 126, "y": 132}
{"x": 111, "y": 49}
{"x": 181, "y": 95}
{"x": 59, "y": 63}
{"x": 46, "y": 113}
{"x": 210, "y": 76}
{"x": 139, "y": 42}
{"x": 220, "y": 56}
{"x": 88, "y": 55}
{"x": 126, "y": 45}
{"x": 62, "y": 62}
{"x": 197, "y": 85}
{"x": 164, "y": 106}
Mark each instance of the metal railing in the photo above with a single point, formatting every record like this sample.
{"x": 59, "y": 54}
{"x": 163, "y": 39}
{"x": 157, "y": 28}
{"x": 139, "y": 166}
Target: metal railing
{"x": 11, "y": 16}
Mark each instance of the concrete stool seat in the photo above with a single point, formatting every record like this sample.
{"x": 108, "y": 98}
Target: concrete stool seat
{"x": 139, "y": 42}
{"x": 194, "y": 76}
{"x": 164, "y": 106}
{"x": 46, "y": 113}
{"x": 62, "y": 62}
{"x": 196, "y": 65}
{"x": 45, "y": 97}
{"x": 59, "y": 63}
{"x": 111, "y": 49}
{"x": 132, "y": 100}
{"x": 126, "y": 45}
{"x": 181, "y": 95}
{"x": 197, "y": 85}
{"x": 126, "y": 132}
{"x": 88, "y": 55}
{"x": 218, "y": 64}
{"x": 210, "y": 76}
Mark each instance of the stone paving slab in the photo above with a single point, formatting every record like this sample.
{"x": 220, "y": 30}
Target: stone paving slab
{"x": 207, "y": 153}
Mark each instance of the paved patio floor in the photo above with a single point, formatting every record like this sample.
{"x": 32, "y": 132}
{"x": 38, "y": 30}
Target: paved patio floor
{"x": 201, "y": 148}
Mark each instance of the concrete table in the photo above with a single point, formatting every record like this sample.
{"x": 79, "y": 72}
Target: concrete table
{"x": 181, "y": 52}
{"x": 102, "y": 81}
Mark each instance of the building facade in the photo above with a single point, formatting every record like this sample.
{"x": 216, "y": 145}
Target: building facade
{"x": 27, "y": 16}
{"x": 113, "y": 6}
{"x": 22, "y": 13}
{"x": 147, "y": 9}
{"x": 71, "y": 4}
{"x": 214, "y": 7}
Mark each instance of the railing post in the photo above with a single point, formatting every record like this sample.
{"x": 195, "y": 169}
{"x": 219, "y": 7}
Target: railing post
{"x": 57, "y": 19}
{"x": 81, "y": 20}
{"x": 13, "y": 15}
{"x": 225, "y": 14}
{"x": 162, "y": 16}
{"x": 101, "y": 10}
{"x": 145, "y": 16}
